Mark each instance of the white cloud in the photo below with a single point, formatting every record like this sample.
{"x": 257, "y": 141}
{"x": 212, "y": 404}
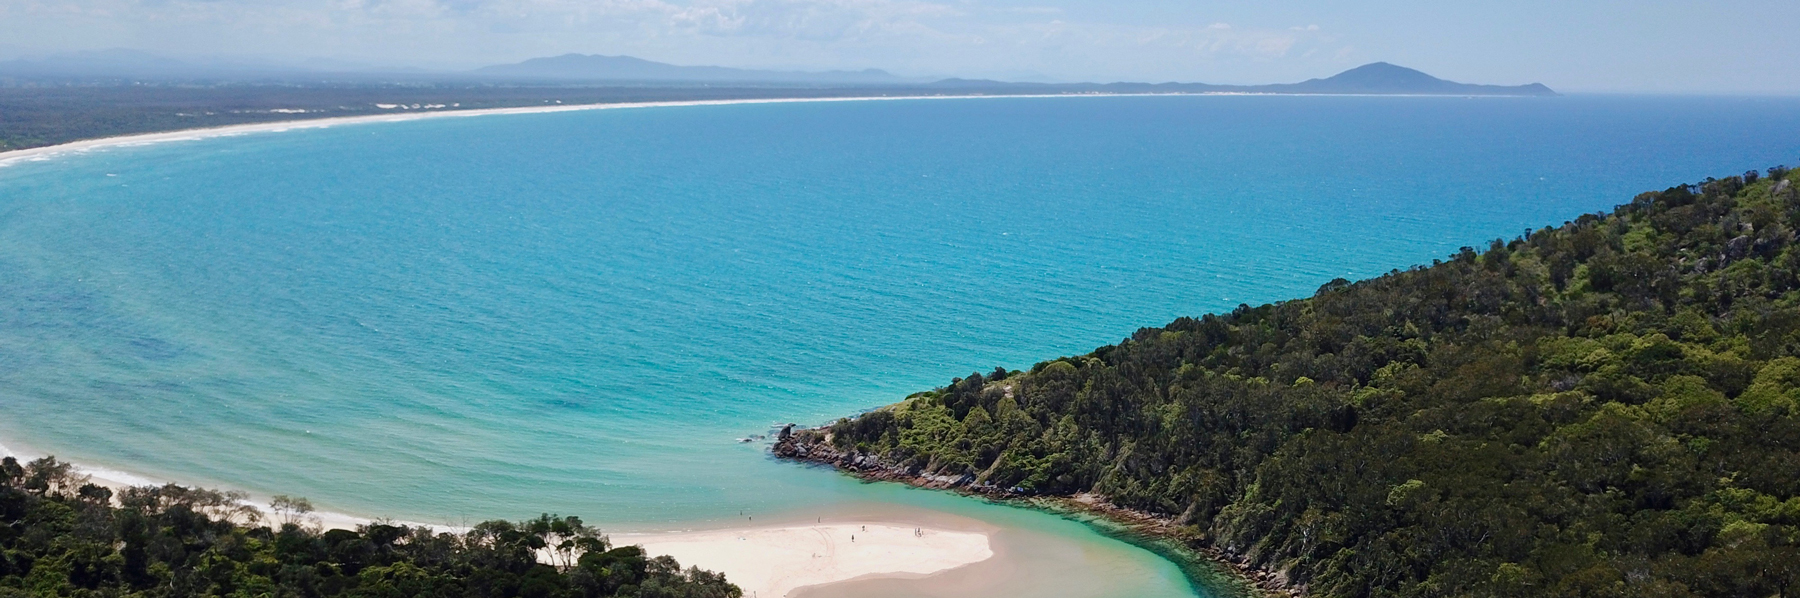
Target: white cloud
{"x": 937, "y": 37}
{"x": 1053, "y": 39}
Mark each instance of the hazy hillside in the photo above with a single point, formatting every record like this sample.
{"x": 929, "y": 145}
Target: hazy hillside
{"x": 580, "y": 67}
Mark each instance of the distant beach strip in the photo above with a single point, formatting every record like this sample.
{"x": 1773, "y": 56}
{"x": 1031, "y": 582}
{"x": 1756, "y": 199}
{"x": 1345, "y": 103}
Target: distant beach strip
{"x": 8, "y": 158}
{"x": 36, "y": 154}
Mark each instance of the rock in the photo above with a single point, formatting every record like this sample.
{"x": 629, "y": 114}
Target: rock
{"x": 1737, "y": 248}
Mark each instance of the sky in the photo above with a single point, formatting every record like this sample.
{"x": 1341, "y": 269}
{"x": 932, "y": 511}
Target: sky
{"x": 1654, "y": 46}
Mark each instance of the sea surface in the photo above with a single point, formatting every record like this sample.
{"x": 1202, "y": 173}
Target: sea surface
{"x": 459, "y": 319}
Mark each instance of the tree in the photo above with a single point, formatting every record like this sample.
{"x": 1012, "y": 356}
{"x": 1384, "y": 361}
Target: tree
{"x": 291, "y": 510}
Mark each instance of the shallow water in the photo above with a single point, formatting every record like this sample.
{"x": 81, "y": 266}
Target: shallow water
{"x": 459, "y": 319}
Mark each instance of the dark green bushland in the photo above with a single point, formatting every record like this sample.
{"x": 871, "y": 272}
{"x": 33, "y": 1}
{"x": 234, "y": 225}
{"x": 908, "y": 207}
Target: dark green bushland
{"x": 1606, "y": 408}
{"x": 60, "y": 536}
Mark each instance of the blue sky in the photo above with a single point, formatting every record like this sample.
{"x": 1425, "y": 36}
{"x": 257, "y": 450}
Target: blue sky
{"x": 1730, "y": 46}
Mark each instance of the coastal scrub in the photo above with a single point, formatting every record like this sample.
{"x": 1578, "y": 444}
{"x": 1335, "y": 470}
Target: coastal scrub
{"x": 63, "y": 536}
{"x": 1610, "y": 407}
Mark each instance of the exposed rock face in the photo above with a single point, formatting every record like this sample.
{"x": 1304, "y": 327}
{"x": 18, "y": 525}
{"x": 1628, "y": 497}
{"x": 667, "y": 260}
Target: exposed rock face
{"x": 815, "y": 446}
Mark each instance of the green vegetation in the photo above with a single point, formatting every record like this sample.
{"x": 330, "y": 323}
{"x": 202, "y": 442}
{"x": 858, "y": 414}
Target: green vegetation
{"x": 1606, "y": 408}
{"x": 61, "y": 536}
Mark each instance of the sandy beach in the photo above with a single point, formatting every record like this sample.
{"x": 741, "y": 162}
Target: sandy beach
{"x": 770, "y": 562}
{"x": 118, "y": 481}
{"x": 9, "y": 158}
{"x": 47, "y": 152}
{"x": 767, "y": 562}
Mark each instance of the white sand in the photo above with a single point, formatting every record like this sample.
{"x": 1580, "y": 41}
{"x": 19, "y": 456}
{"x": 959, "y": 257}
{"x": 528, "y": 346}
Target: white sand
{"x": 118, "y": 481}
{"x": 769, "y": 562}
{"x": 35, "y": 154}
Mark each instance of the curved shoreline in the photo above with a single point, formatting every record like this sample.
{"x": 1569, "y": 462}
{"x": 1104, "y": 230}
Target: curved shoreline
{"x": 766, "y": 561}
{"x": 38, "y": 154}
{"x": 118, "y": 480}
{"x": 889, "y": 565}
{"x": 35, "y": 154}
{"x": 769, "y": 560}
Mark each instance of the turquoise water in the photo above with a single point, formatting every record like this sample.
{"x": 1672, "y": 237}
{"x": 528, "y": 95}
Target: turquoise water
{"x": 581, "y": 312}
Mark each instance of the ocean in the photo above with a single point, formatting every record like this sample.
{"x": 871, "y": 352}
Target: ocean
{"x": 452, "y": 320}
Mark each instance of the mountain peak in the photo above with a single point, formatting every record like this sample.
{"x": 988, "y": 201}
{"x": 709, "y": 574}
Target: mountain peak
{"x": 1388, "y": 78}
{"x": 1383, "y": 73}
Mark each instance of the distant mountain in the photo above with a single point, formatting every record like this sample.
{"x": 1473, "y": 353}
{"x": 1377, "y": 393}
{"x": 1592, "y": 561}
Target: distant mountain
{"x": 1384, "y": 78}
{"x": 582, "y": 70}
{"x": 592, "y": 68}
{"x": 1378, "y": 78}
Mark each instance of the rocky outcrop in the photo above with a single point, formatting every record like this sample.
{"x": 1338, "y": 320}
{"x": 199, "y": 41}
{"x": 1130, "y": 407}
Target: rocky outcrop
{"x": 815, "y": 446}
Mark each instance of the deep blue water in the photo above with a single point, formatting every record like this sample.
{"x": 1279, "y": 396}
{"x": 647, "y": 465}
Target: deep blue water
{"x": 580, "y": 312}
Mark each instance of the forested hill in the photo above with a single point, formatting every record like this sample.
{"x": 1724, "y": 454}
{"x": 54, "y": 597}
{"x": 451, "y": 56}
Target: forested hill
{"x": 61, "y": 536}
{"x": 1606, "y": 408}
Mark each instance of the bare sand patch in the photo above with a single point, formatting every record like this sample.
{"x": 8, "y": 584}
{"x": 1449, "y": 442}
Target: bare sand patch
{"x": 769, "y": 562}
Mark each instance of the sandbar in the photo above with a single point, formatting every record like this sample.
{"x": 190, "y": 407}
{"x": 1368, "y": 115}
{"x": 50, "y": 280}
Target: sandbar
{"x": 770, "y": 562}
